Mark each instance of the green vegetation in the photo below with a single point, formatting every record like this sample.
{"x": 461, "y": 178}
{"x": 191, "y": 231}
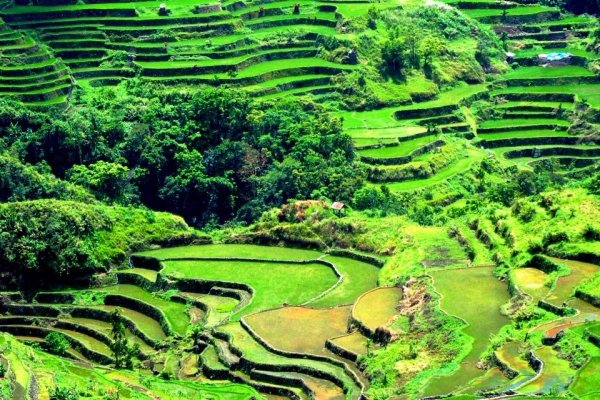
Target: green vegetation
{"x": 56, "y": 343}
{"x": 62, "y": 238}
{"x": 299, "y": 199}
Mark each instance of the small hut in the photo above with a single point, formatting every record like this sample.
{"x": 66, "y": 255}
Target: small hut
{"x": 338, "y": 208}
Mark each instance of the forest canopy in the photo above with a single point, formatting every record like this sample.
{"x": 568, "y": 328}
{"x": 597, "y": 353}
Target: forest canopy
{"x": 210, "y": 156}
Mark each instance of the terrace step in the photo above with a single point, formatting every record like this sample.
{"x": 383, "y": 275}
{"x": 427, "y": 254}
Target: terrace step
{"x": 28, "y": 88}
{"x": 519, "y": 371}
{"x": 314, "y": 388}
{"x": 34, "y": 78}
{"x": 255, "y": 356}
{"x": 386, "y": 156}
{"x": 91, "y": 348}
{"x": 214, "y": 369}
{"x": 226, "y": 355}
{"x": 291, "y": 393}
{"x": 43, "y": 94}
{"x": 529, "y": 114}
{"x": 204, "y": 67}
{"x": 24, "y": 70}
{"x": 221, "y": 26}
{"x": 275, "y": 87}
{"x": 553, "y": 370}
{"x": 350, "y": 346}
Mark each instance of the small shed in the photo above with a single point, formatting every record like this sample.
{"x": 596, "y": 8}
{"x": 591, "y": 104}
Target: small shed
{"x": 337, "y": 207}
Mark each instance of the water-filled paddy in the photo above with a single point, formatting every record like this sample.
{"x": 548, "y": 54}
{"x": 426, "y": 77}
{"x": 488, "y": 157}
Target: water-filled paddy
{"x": 474, "y": 295}
{"x": 531, "y": 281}
{"x": 566, "y": 284}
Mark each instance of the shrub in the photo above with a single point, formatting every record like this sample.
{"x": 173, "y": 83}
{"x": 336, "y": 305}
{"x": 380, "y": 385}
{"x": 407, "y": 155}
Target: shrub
{"x": 591, "y": 233}
{"x": 56, "y": 343}
{"x": 2, "y": 370}
{"x": 554, "y": 237}
{"x": 535, "y": 247}
{"x": 63, "y": 393}
{"x": 594, "y": 185}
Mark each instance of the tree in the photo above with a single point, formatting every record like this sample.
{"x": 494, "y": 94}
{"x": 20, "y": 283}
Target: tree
{"x": 393, "y": 54}
{"x": 430, "y": 47}
{"x": 594, "y": 185}
{"x": 109, "y": 181}
{"x": 52, "y": 236}
{"x": 504, "y": 38}
{"x": 56, "y": 343}
{"x": 123, "y": 352}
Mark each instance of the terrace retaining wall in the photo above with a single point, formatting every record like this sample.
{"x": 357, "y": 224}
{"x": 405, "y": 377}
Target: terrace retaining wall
{"x": 567, "y": 80}
{"x": 529, "y": 141}
{"x": 142, "y": 307}
{"x": 102, "y": 315}
{"x": 340, "y": 351}
{"x": 30, "y": 310}
{"x": 357, "y": 256}
{"x": 424, "y": 112}
{"x": 290, "y": 354}
{"x": 555, "y": 97}
{"x": 588, "y": 298}
{"x": 66, "y": 14}
{"x": 509, "y": 372}
{"x": 554, "y": 151}
{"x": 403, "y": 159}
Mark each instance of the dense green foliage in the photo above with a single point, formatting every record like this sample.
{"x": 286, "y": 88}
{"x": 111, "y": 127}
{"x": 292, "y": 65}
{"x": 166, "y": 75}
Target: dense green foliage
{"x": 208, "y": 156}
{"x": 403, "y": 64}
{"x": 56, "y": 343}
{"x": 467, "y": 167}
{"x": 59, "y": 238}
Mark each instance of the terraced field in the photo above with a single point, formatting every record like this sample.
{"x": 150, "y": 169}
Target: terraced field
{"x": 415, "y": 146}
{"x": 102, "y": 43}
{"x": 294, "y": 323}
{"x": 30, "y": 72}
{"x": 251, "y": 44}
{"x": 252, "y": 303}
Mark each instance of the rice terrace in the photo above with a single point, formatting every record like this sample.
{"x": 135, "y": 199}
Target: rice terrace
{"x": 308, "y": 199}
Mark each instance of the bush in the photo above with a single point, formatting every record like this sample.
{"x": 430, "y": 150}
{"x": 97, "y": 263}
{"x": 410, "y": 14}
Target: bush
{"x": 554, "y": 237}
{"x": 63, "y": 393}
{"x": 591, "y": 233}
{"x": 594, "y": 185}
{"x": 56, "y": 343}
